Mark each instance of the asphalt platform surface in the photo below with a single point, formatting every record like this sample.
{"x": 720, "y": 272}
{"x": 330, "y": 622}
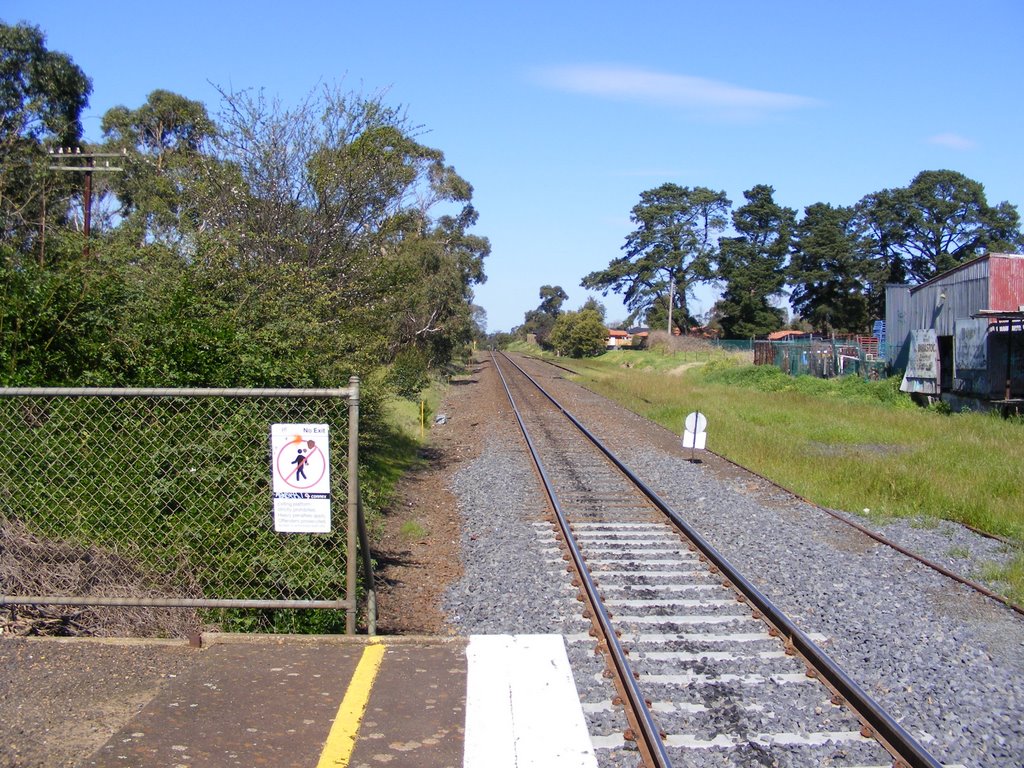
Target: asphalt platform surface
{"x": 233, "y": 701}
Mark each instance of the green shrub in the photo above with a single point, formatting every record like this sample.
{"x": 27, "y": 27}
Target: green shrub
{"x": 410, "y": 372}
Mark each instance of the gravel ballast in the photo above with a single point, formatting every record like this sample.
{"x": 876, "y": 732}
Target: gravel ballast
{"x": 947, "y": 662}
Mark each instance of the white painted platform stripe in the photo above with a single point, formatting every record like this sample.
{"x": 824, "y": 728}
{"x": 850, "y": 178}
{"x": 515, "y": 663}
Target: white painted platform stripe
{"x": 767, "y": 740}
{"x": 522, "y": 707}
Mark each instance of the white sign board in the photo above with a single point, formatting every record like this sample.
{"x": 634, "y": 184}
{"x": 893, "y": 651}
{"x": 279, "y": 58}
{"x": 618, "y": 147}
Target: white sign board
{"x": 923, "y": 366}
{"x": 301, "y": 466}
{"x": 695, "y": 437}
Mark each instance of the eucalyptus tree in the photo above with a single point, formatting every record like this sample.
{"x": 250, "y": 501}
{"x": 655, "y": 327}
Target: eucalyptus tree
{"x": 671, "y": 250}
{"x": 593, "y": 304}
{"x": 940, "y": 220}
{"x": 879, "y": 224}
{"x": 344, "y": 231}
{"x": 42, "y": 95}
{"x": 829, "y": 270}
{"x": 752, "y": 265}
{"x": 551, "y": 299}
{"x": 439, "y": 266}
{"x": 47, "y": 299}
{"x": 162, "y": 141}
{"x": 541, "y": 320}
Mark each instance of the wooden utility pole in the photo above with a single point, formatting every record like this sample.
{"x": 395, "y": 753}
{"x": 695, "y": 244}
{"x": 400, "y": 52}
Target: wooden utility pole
{"x": 671, "y": 302}
{"x": 77, "y": 161}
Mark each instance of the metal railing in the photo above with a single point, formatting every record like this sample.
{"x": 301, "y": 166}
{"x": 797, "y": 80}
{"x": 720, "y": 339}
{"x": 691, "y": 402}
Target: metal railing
{"x": 165, "y": 497}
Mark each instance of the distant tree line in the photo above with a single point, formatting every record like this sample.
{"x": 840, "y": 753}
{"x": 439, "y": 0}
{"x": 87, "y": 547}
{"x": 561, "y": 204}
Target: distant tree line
{"x": 833, "y": 263}
{"x": 579, "y": 333}
{"x": 262, "y": 245}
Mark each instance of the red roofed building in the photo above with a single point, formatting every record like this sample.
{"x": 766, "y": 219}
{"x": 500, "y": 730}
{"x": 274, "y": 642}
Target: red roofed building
{"x": 618, "y": 339}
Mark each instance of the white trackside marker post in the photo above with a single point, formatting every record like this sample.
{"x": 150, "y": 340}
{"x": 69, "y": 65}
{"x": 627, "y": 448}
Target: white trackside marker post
{"x": 695, "y": 437}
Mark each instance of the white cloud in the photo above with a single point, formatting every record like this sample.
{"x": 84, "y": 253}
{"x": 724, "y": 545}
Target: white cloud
{"x": 952, "y": 141}
{"x": 634, "y": 84}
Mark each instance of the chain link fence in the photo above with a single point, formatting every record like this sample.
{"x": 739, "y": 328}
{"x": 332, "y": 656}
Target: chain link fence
{"x": 165, "y": 498}
{"x": 823, "y": 358}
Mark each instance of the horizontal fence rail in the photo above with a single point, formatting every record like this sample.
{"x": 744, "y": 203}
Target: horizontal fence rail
{"x": 164, "y": 497}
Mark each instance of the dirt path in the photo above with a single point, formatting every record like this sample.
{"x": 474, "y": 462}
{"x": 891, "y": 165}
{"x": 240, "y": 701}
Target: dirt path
{"x": 418, "y": 555}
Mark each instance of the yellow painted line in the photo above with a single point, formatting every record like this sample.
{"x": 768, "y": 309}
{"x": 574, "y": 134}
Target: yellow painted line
{"x": 342, "y": 738}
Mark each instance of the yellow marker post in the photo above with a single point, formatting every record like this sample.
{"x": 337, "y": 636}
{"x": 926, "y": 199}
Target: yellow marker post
{"x": 342, "y": 738}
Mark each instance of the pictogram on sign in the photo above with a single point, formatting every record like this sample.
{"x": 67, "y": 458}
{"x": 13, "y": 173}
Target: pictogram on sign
{"x": 300, "y": 455}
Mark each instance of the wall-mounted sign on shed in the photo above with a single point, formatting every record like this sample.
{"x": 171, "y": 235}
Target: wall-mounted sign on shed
{"x": 923, "y": 366}
{"x": 970, "y": 347}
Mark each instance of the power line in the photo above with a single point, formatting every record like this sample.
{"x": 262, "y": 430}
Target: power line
{"x": 77, "y": 161}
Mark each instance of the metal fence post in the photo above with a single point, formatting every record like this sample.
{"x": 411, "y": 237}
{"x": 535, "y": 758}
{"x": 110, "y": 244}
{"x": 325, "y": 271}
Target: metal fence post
{"x": 353, "y": 501}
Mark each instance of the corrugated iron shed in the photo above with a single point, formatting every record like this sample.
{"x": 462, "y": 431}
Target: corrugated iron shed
{"x": 1006, "y": 293}
{"x": 992, "y": 281}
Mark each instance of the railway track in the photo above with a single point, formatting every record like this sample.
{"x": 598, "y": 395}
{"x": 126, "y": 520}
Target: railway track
{"x": 709, "y": 672}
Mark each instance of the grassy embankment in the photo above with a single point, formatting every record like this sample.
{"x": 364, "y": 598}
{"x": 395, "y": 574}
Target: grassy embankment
{"x": 844, "y": 443}
{"x": 409, "y": 422}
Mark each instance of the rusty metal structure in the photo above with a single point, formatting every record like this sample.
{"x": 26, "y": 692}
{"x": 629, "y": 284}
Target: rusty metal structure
{"x": 976, "y": 312}
{"x": 823, "y": 358}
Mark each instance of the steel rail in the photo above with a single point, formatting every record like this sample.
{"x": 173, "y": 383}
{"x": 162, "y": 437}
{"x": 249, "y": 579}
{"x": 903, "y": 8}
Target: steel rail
{"x": 938, "y": 567}
{"x": 651, "y": 744}
{"x": 883, "y": 727}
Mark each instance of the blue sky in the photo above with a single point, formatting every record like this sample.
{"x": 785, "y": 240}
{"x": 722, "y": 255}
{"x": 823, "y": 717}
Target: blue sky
{"x": 561, "y": 113}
